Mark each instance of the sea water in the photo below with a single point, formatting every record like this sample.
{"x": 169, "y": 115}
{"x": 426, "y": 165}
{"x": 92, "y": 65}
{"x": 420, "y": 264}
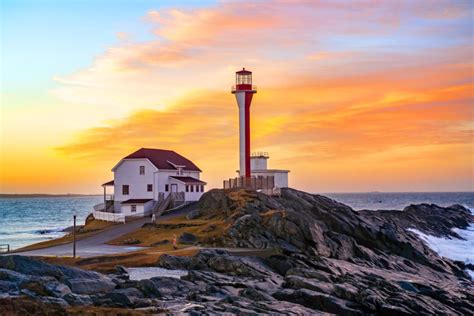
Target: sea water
{"x": 25, "y": 221}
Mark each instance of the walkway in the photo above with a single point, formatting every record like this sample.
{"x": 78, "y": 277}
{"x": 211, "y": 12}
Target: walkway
{"x": 96, "y": 244}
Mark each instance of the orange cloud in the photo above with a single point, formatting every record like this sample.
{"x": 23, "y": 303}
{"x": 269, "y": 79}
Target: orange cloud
{"x": 394, "y": 121}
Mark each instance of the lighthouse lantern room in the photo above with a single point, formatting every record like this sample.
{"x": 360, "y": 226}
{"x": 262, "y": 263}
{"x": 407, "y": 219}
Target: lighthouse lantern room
{"x": 244, "y": 91}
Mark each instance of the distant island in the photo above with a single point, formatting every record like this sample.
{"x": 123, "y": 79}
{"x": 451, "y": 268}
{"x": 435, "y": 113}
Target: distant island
{"x": 36, "y": 195}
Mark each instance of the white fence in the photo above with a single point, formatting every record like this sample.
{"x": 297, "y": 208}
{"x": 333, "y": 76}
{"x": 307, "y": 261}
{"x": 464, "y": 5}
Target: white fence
{"x": 109, "y": 217}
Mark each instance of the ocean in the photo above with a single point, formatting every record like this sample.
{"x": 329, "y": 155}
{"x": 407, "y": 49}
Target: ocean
{"x": 25, "y": 221}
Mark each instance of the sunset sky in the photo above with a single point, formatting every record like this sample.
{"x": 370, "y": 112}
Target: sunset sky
{"x": 352, "y": 96}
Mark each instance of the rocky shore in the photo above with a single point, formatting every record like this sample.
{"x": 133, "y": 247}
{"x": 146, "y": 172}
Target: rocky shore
{"x": 327, "y": 258}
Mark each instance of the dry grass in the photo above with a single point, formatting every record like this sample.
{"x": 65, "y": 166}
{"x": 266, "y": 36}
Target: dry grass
{"x": 207, "y": 231}
{"x": 106, "y": 264}
{"x": 91, "y": 228}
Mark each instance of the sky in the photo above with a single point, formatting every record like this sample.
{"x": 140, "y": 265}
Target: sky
{"x": 353, "y": 96}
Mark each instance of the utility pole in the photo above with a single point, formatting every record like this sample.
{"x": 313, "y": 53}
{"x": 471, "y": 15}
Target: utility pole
{"x": 74, "y": 235}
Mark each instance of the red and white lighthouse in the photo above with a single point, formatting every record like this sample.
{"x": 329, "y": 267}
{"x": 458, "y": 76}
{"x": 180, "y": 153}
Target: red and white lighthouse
{"x": 244, "y": 91}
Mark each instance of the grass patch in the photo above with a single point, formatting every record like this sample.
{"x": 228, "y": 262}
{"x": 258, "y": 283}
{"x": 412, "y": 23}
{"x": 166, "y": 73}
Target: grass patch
{"x": 106, "y": 264}
{"x": 208, "y": 231}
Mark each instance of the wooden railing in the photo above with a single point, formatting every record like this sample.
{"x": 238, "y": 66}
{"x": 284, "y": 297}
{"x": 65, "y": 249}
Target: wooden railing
{"x": 161, "y": 206}
{"x": 254, "y": 183}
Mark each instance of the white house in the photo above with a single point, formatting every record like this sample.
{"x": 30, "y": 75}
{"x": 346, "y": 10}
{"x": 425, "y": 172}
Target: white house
{"x": 146, "y": 177}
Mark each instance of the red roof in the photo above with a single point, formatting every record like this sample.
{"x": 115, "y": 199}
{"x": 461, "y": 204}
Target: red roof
{"x": 187, "y": 179}
{"x": 136, "y": 201}
{"x": 164, "y": 159}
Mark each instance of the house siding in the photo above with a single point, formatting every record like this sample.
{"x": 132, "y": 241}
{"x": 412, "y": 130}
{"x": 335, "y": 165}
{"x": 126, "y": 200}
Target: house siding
{"x": 128, "y": 173}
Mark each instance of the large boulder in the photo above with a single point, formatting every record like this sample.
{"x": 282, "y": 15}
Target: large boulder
{"x": 90, "y": 286}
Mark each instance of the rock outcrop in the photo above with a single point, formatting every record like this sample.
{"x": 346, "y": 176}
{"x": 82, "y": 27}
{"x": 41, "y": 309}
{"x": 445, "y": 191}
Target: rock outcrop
{"x": 304, "y": 254}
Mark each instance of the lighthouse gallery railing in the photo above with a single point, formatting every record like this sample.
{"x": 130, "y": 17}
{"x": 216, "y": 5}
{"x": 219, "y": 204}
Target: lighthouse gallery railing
{"x": 254, "y": 183}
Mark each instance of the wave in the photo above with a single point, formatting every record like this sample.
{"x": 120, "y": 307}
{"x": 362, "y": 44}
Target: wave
{"x": 452, "y": 248}
{"x": 34, "y": 232}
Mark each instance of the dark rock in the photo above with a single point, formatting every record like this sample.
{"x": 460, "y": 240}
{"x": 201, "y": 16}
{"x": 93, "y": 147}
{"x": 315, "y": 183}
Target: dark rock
{"x": 193, "y": 214}
{"x": 54, "y": 301}
{"x": 125, "y": 297}
{"x": 57, "y": 289}
{"x": 90, "y": 286}
{"x": 319, "y": 301}
{"x": 297, "y": 282}
{"x": 121, "y": 270}
{"x": 281, "y": 264}
{"x": 78, "y": 299}
{"x": 26, "y": 265}
{"x": 310, "y": 273}
{"x": 34, "y": 286}
{"x": 8, "y": 287}
{"x": 187, "y": 238}
{"x": 174, "y": 262}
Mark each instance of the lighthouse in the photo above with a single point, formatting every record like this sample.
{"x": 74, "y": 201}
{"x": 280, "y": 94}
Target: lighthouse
{"x": 244, "y": 91}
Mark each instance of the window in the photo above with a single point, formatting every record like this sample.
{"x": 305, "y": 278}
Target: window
{"x": 149, "y": 187}
{"x": 134, "y": 208}
{"x": 202, "y": 188}
{"x": 142, "y": 169}
{"x": 180, "y": 171}
{"x": 192, "y": 188}
{"x": 187, "y": 188}
{"x": 125, "y": 189}
{"x": 167, "y": 187}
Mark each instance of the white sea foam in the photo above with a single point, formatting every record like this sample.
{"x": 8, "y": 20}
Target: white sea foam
{"x": 147, "y": 273}
{"x": 452, "y": 248}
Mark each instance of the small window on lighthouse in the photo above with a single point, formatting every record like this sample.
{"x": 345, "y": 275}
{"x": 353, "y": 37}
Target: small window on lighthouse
{"x": 142, "y": 169}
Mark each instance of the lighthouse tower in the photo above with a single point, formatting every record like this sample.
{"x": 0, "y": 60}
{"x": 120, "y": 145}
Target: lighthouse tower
{"x": 244, "y": 91}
